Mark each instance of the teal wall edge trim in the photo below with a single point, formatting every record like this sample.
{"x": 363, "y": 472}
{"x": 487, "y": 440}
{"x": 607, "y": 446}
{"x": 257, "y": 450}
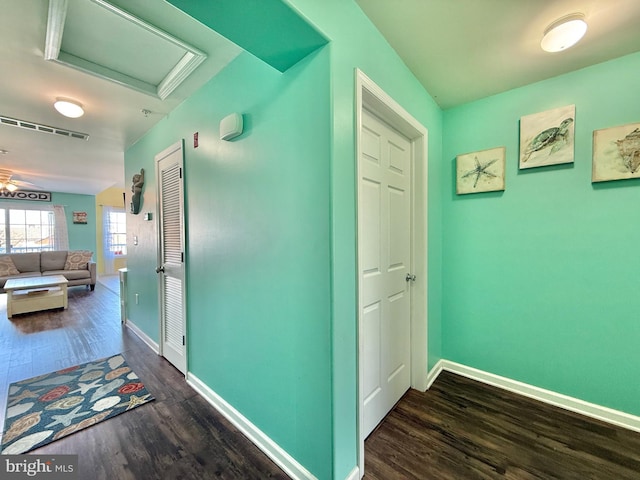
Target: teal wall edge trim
{"x": 269, "y": 29}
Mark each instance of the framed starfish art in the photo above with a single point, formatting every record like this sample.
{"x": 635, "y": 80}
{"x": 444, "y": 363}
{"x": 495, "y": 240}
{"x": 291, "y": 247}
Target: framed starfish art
{"x": 481, "y": 171}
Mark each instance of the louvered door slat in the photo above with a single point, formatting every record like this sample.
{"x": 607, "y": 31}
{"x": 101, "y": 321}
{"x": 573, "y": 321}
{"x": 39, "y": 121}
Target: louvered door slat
{"x": 171, "y": 256}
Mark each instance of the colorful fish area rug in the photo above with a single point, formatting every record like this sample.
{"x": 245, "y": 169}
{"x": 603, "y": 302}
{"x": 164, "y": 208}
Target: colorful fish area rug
{"x": 43, "y": 409}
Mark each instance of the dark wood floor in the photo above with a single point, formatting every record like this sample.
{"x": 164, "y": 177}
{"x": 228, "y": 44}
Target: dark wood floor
{"x": 177, "y": 436}
{"x": 459, "y": 429}
{"x": 464, "y": 430}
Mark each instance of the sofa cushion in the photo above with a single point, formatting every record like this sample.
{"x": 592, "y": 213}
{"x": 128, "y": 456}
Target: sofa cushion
{"x": 69, "y": 274}
{"x": 27, "y": 262}
{"x": 77, "y": 259}
{"x": 53, "y": 260}
{"x": 7, "y": 267}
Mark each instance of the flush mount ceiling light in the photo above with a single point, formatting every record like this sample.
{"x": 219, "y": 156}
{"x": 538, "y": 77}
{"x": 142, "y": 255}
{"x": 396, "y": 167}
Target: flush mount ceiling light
{"x": 68, "y": 108}
{"x": 564, "y": 33}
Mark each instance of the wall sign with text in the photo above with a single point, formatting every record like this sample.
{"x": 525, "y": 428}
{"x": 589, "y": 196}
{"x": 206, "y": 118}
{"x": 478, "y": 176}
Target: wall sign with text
{"x": 25, "y": 195}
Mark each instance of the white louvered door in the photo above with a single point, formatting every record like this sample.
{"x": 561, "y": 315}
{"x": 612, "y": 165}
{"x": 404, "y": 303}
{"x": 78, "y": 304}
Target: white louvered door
{"x": 171, "y": 255}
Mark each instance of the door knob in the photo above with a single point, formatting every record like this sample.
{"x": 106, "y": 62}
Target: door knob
{"x": 160, "y": 269}
{"x": 410, "y": 278}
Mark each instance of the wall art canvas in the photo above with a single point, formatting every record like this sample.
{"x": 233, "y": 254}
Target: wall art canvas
{"x": 481, "y": 171}
{"x": 616, "y": 153}
{"x": 80, "y": 217}
{"x": 546, "y": 138}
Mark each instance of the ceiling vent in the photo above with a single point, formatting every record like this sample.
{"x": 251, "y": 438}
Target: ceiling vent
{"x": 14, "y": 122}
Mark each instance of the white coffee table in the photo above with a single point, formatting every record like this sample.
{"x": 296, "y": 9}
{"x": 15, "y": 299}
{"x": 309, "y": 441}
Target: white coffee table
{"x": 32, "y": 294}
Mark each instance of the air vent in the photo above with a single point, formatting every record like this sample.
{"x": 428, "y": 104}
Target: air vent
{"x": 14, "y": 122}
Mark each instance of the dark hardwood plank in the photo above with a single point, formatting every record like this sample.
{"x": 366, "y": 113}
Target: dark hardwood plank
{"x": 462, "y": 429}
{"x": 459, "y": 429}
{"x": 178, "y": 435}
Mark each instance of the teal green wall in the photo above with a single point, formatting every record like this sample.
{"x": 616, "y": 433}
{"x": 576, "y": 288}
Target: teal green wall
{"x": 250, "y": 24}
{"x": 142, "y": 259}
{"x": 533, "y": 283}
{"x": 258, "y": 254}
{"x": 539, "y": 281}
{"x": 355, "y": 43}
{"x": 81, "y": 236}
{"x": 259, "y": 233}
{"x": 271, "y": 228}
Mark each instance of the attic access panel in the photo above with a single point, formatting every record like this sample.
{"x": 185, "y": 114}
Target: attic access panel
{"x": 101, "y": 39}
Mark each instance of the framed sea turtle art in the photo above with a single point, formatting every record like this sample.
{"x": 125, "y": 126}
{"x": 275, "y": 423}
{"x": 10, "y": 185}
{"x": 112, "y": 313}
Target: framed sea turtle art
{"x": 546, "y": 138}
{"x": 481, "y": 171}
{"x": 616, "y": 153}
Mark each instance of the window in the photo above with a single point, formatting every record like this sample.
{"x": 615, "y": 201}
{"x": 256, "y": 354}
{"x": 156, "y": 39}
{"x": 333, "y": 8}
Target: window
{"x": 117, "y": 232}
{"x": 26, "y": 230}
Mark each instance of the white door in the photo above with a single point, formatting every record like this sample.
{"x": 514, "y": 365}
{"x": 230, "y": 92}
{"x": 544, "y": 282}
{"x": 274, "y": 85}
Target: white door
{"x": 384, "y": 237}
{"x": 169, "y": 165}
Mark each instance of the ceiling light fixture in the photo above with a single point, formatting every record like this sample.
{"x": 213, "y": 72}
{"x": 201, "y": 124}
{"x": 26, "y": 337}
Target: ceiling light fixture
{"x": 564, "y": 33}
{"x": 68, "y": 108}
{"x": 8, "y": 183}
{"x": 12, "y": 187}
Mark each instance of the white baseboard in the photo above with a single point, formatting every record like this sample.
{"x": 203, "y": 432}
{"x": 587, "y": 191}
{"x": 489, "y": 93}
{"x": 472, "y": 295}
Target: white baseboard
{"x": 276, "y": 453}
{"x": 354, "y": 474}
{"x": 605, "y": 414}
{"x": 433, "y": 374}
{"x": 143, "y": 336}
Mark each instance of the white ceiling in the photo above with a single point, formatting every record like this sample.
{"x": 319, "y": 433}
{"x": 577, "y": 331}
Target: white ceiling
{"x": 461, "y": 50}
{"x": 113, "y": 119}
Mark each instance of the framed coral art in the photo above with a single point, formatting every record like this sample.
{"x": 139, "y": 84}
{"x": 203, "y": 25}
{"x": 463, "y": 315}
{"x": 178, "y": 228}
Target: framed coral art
{"x": 546, "y": 138}
{"x": 616, "y": 153}
{"x": 481, "y": 171}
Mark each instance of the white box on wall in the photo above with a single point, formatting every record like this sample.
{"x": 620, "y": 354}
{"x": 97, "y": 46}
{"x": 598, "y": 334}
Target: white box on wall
{"x": 231, "y": 126}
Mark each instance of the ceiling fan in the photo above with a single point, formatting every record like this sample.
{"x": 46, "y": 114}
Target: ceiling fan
{"x": 10, "y": 183}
